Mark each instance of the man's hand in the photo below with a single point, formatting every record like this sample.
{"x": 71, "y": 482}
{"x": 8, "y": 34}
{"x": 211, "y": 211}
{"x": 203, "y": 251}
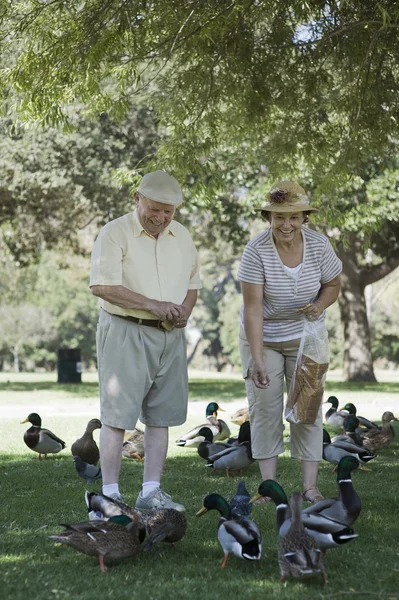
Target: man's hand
{"x": 166, "y": 311}
{"x": 181, "y": 321}
{"x": 259, "y": 376}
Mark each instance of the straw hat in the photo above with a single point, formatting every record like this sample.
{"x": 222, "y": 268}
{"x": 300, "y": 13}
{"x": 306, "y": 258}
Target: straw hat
{"x": 287, "y": 196}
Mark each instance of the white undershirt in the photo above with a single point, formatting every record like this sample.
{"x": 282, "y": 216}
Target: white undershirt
{"x": 293, "y": 270}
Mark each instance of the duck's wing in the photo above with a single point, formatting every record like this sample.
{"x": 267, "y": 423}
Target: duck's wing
{"x": 52, "y": 435}
{"x": 368, "y": 424}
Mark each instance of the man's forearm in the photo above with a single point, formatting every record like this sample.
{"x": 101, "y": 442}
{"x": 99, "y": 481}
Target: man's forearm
{"x": 190, "y": 300}
{"x": 120, "y": 295}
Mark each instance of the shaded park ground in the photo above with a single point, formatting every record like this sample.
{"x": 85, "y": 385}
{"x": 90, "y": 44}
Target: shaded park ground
{"x": 38, "y": 495}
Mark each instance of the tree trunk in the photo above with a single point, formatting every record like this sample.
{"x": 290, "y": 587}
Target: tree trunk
{"x": 15, "y": 352}
{"x": 358, "y": 363}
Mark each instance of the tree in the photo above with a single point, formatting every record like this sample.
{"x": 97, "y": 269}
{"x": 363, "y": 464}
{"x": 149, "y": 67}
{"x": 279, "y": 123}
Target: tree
{"x": 54, "y": 183}
{"x": 368, "y": 245}
{"x": 284, "y": 81}
{"x": 24, "y": 324}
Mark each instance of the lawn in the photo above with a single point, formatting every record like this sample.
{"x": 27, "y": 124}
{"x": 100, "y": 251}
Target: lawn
{"x": 37, "y": 496}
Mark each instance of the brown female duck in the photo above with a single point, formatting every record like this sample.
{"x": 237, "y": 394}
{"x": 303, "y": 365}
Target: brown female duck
{"x": 86, "y": 447}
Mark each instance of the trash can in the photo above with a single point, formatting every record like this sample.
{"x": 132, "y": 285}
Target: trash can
{"x": 69, "y": 365}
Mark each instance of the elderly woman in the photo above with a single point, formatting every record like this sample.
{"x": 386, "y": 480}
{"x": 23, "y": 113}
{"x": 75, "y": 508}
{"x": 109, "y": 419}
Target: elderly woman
{"x": 283, "y": 269}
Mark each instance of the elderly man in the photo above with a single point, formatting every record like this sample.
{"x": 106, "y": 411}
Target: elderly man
{"x": 145, "y": 271}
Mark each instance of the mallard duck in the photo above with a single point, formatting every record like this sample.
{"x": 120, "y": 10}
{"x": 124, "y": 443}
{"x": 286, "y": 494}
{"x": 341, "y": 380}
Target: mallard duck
{"x": 42, "y": 441}
{"x": 240, "y": 505}
{"x": 351, "y": 408}
{"x": 244, "y": 435}
{"x": 240, "y": 416}
{"x": 334, "y": 452}
{"x": 119, "y": 537}
{"x": 327, "y": 532}
{"x": 375, "y": 439}
{"x": 346, "y": 508}
{"x": 162, "y": 525}
{"x": 133, "y": 447}
{"x": 351, "y": 435}
{"x": 218, "y": 427}
{"x": 89, "y": 473}
{"x": 86, "y": 447}
{"x": 234, "y": 458}
{"x": 334, "y": 417}
{"x": 297, "y": 552}
{"x": 208, "y": 447}
{"x": 238, "y": 536}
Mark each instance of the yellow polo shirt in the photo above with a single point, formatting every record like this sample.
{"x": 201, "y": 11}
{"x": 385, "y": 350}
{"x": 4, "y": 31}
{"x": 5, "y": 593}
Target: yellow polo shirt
{"x": 162, "y": 268}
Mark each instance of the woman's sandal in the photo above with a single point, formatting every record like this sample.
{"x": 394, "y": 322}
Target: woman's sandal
{"x": 313, "y": 498}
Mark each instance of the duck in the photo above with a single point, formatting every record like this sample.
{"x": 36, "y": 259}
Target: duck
{"x": 244, "y": 435}
{"x": 351, "y": 435}
{"x": 334, "y": 452}
{"x": 234, "y": 458}
{"x": 240, "y": 416}
{"x": 86, "y": 447}
{"x": 375, "y": 439}
{"x": 208, "y": 447}
{"x": 40, "y": 440}
{"x": 327, "y": 533}
{"x": 133, "y": 446}
{"x": 219, "y": 428}
{"x": 89, "y": 473}
{"x": 334, "y": 417}
{"x": 346, "y": 508}
{"x": 238, "y": 536}
{"x": 240, "y": 505}
{"x": 298, "y": 555}
{"x": 351, "y": 408}
{"x": 160, "y": 524}
{"x": 118, "y": 537}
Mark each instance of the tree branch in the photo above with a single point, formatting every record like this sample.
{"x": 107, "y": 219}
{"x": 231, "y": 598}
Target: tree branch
{"x": 374, "y": 273}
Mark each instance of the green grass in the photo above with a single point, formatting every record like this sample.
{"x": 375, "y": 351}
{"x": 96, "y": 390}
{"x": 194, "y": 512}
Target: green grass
{"x": 38, "y": 495}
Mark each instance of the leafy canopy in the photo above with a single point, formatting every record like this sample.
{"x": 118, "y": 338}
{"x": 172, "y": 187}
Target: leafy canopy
{"x": 267, "y": 82}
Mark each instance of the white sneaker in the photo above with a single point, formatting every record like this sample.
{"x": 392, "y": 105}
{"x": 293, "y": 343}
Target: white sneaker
{"x": 157, "y": 499}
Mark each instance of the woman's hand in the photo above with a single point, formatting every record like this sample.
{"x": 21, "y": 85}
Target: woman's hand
{"x": 259, "y": 376}
{"x": 312, "y": 311}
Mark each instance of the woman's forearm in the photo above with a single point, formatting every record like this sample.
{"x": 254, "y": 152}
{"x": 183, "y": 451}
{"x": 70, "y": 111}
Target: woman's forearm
{"x": 253, "y": 325}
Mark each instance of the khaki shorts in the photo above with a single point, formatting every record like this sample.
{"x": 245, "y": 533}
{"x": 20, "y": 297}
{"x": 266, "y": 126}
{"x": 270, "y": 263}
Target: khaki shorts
{"x": 142, "y": 373}
{"x": 266, "y": 406}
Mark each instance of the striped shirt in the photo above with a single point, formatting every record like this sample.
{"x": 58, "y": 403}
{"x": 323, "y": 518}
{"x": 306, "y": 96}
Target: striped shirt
{"x": 285, "y": 291}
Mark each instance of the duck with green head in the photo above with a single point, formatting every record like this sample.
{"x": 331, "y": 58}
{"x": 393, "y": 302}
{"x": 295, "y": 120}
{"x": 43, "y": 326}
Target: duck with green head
{"x": 40, "y": 440}
{"x": 235, "y": 458}
{"x": 333, "y": 416}
{"x": 238, "y": 536}
{"x": 327, "y": 532}
{"x": 119, "y": 537}
{"x": 219, "y": 428}
{"x": 298, "y": 555}
{"x": 333, "y": 453}
{"x": 208, "y": 446}
{"x": 352, "y": 410}
{"x": 346, "y": 508}
{"x": 351, "y": 435}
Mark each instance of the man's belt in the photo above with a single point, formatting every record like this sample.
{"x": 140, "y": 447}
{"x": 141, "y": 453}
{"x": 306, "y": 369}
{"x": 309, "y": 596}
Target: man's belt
{"x": 158, "y": 323}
